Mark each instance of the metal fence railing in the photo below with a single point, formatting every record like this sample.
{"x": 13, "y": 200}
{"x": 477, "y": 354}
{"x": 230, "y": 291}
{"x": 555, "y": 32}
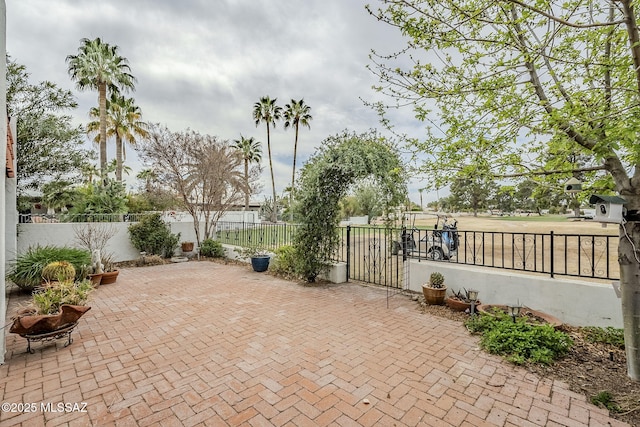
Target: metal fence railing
{"x": 578, "y": 255}
{"x": 373, "y": 251}
{"x": 67, "y": 217}
{"x": 266, "y": 235}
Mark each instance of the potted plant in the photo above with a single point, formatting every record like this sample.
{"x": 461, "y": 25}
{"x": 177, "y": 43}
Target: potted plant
{"x": 110, "y": 274}
{"x": 94, "y": 238}
{"x": 53, "y": 312}
{"x": 435, "y": 291}
{"x": 460, "y": 301}
{"x": 259, "y": 257}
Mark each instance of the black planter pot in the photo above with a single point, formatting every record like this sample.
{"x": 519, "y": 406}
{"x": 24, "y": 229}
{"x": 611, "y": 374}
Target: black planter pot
{"x": 260, "y": 263}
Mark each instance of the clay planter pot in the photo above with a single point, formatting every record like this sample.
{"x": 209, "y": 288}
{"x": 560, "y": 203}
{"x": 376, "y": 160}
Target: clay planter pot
{"x": 457, "y": 305}
{"x": 96, "y": 278}
{"x": 187, "y": 247}
{"x": 41, "y": 324}
{"x": 534, "y": 316}
{"x": 434, "y": 296}
{"x": 109, "y": 277}
{"x": 260, "y": 263}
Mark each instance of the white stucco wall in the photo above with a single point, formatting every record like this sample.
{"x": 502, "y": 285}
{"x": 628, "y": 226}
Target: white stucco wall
{"x": 575, "y": 302}
{"x": 3, "y": 138}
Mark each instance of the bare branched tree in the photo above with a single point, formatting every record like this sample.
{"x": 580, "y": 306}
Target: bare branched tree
{"x": 204, "y": 171}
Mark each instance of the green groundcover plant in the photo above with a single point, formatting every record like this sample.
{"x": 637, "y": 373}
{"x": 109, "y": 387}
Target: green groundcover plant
{"x": 519, "y": 342}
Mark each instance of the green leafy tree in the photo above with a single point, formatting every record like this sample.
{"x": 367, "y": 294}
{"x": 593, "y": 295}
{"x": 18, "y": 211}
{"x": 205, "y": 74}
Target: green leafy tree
{"x": 251, "y": 152}
{"x": 489, "y": 74}
{"x": 96, "y": 199}
{"x": 368, "y": 200}
{"x": 149, "y": 176}
{"x": 295, "y": 114}
{"x": 472, "y": 192}
{"x": 123, "y": 122}
{"x": 266, "y": 110}
{"x": 503, "y": 199}
{"x": 98, "y": 66}
{"x": 59, "y": 194}
{"x": 48, "y": 148}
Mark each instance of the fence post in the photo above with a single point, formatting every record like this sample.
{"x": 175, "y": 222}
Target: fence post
{"x": 552, "y": 254}
{"x": 348, "y": 251}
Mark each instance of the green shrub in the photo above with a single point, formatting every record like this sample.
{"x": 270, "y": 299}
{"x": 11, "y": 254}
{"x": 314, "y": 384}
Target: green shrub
{"x": 285, "y": 261}
{"x": 606, "y": 335}
{"x": 27, "y": 271}
{"x": 211, "y": 248}
{"x": 519, "y": 342}
{"x": 152, "y": 235}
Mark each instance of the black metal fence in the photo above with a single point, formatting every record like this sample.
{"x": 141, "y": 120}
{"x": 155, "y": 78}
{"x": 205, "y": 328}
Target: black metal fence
{"x": 374, "y": 254}
{"x": 577, "y": 255}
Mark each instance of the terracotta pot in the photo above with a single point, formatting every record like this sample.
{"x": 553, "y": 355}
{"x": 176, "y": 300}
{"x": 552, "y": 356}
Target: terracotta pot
{"x": 95, "y": 278}
{"x": 187, "y": 247}
{"x": 109, "y": 277}
{"x": 41, "y": 324}
{"x": 434, "y": 296}
{"x": 457, "y": 305}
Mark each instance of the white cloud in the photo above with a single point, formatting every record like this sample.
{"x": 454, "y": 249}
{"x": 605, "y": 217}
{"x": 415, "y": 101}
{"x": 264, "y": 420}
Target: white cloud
{"x": 203, "y": 64}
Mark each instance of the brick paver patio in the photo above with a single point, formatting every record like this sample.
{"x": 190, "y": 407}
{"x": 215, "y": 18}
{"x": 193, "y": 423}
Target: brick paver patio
{"x": 201, "y": 343}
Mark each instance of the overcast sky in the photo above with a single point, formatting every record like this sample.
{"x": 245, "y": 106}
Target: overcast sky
{"x": 202, "y": 64}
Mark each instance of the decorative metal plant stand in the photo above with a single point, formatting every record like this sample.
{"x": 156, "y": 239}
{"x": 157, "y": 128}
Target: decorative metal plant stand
{"x": 51, "y": 336}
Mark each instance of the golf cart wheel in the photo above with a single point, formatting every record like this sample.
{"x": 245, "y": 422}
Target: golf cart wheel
{"x": 436, "y": 254}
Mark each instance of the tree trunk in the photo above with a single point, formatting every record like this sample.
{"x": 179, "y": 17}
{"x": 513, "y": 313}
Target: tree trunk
{"x": 102, "y": 100}
{"x": 630, "y": 290}
{"x": 246, "y": 181}
{"x": 274, "y": 211}
{"x": 118, "y": 158}
{"x": 293, "y": 174}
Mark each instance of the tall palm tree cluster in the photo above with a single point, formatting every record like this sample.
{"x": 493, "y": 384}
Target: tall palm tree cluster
{"x": 295, "y": 113}
{"x": 99, "y": 66}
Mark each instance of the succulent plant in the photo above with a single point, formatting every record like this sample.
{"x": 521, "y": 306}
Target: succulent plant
{"x": 61, "y": 271}
{"x": 436, "y": 280}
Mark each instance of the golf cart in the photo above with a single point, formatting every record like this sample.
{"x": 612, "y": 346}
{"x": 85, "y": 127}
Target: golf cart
{"x": 438, "y": 244}
{"x": 442, "y": 243}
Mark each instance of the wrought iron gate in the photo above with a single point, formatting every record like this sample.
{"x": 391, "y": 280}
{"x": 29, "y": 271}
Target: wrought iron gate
{"x": 377, "y": 255}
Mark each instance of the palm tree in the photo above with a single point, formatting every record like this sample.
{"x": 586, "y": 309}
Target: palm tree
{"x": 123, "y": 122}
{"x": 267, "y": 111}
{"x": 148, "y": 176}
{"x": 251, "y": 153}
{"x": 98, "y": 66}
{"x": 296, "y": 114}
{"x": 89, "y": 170}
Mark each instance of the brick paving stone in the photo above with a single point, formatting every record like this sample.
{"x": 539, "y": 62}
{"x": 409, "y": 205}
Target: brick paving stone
{"x": 202, "y": 343}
